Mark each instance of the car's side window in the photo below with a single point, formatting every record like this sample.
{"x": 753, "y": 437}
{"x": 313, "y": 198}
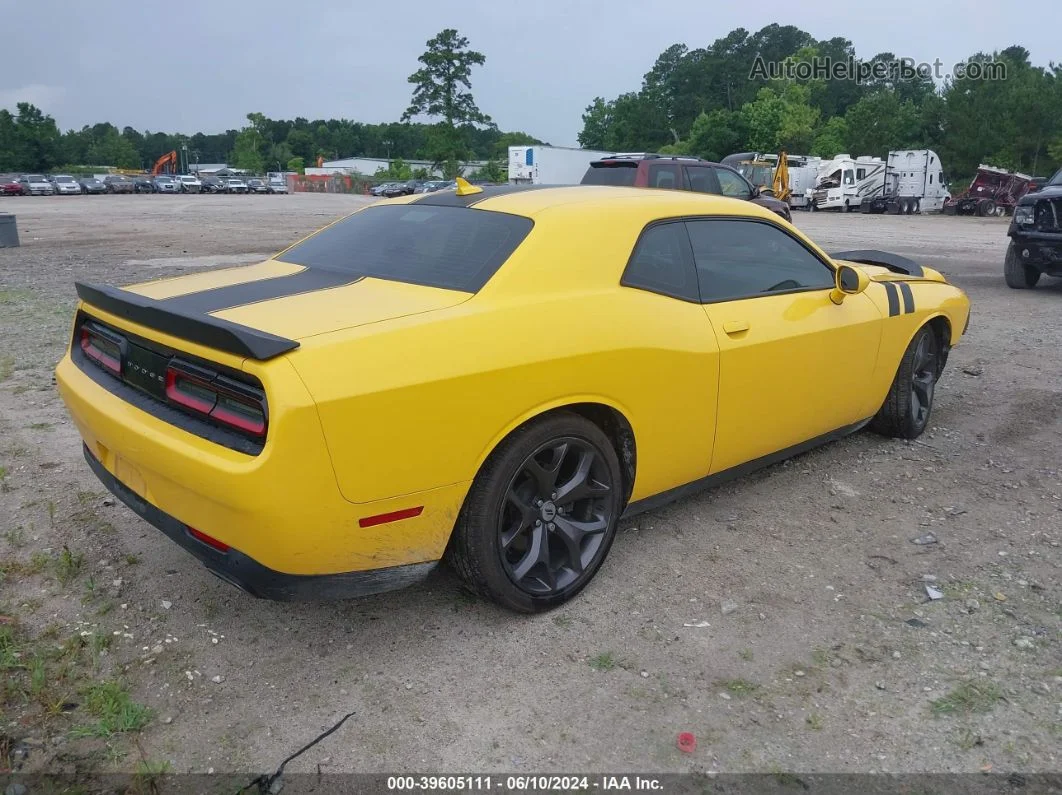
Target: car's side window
{"x": 662, "y": 262}
{"x": 731, "y": 184}
{"x": 703, "y": 179}
{"x": 746, "y": 259}
{"x": 665, "y": 175}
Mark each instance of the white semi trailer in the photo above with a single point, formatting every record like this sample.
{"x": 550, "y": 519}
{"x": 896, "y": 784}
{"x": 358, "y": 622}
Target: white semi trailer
{"x": 914, "y": 183}
{"x": 550, "y": 165}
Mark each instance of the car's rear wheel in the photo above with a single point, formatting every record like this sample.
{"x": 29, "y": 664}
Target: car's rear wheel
{"x": 541, "y": 515}
{"x": 1016, "y": 273}
{"x": 905, "y": 413}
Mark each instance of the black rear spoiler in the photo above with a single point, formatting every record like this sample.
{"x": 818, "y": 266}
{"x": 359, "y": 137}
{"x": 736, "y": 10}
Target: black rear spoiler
{"x": 213, "y": 332}
{"x": 894, "y": 262}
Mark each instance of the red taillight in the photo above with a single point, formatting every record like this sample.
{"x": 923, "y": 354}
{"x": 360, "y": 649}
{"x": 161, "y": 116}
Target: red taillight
{"x": 104, "y": 352}
{"x": 190, "y": 392}
{"x": 222, "y": 399}
{"x": 210, "y": 541}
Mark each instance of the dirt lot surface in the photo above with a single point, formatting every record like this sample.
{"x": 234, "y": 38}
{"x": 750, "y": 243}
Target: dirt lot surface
{"x": 782, "y": 619}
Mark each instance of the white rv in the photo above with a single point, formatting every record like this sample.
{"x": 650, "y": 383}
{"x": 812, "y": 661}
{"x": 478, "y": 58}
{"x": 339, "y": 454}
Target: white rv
{"x": 845, "y": 181}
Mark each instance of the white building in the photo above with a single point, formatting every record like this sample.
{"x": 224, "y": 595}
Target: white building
{"x": 368, "y": 166}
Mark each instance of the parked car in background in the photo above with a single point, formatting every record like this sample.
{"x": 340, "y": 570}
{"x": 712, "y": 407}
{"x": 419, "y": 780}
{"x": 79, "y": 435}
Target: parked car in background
{"x": 645, "y": 170}
{"x": 10, "y": 186}
{"x": 1035, "y": 235}
{"x": 92, "y": 186}
{"x": 235, "y": 185}
{"x": 401, "y": 188}
{"x": 64, "y": 184}
{"x": 257, "y": 186}
{"x": 36, "y": 185}
{"x": 378, "y": 190}
{"x": 143, "y": 184}
{"x": 277, "y": 185}
{"x": 436, "y": 185}
{"x": 164, "y": 183}
{"x": 189, "y": 183}
{"x": 118, "y": 183}
{"x": 211, "y": 185}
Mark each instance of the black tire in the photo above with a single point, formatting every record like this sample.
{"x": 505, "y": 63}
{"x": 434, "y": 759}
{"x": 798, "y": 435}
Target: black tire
{"x": 907, "y": 408}
{"x": 986, "y": 208}
{"x": 1016, "y": 273}
{"x": 544, "y": 458}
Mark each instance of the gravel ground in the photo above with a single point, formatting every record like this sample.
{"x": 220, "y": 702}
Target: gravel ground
{"x": 783, "y": 619}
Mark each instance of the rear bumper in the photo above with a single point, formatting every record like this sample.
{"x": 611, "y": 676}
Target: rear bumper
{"x": 249, "y": 575}
{"x": 281, "y": 509}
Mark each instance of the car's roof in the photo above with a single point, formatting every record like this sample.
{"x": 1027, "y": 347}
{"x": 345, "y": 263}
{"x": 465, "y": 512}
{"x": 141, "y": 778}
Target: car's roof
{"x": 530, "y": 200}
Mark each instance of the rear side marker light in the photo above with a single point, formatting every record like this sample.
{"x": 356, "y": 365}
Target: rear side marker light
{"x": 394, "y": 516}
{"x": 210, "y": 541}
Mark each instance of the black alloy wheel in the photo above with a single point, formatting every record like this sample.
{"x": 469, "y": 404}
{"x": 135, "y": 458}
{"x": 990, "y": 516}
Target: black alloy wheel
{"x": 541, "y": 515}
{"x": 925, "y": 370}
{"x": 553, "y": 520}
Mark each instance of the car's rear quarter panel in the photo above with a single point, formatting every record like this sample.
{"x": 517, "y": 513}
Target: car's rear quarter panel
{"x": 423, "y": 401}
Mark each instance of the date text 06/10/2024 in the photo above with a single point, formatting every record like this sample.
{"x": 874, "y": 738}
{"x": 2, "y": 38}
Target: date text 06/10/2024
{"x": 522, "y": 783}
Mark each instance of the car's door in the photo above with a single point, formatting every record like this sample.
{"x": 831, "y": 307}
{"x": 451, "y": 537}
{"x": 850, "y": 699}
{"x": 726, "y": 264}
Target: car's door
{"x": 678, "y": 367}
{"x": 793, "y": 365}
{"x": 702, "y": 179}
{"x": 732, "y": 184}
{"x": 665, "y": 175}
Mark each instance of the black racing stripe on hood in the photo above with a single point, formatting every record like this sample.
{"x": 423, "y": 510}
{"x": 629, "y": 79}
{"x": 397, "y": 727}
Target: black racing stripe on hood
{"x": 218, "y": 298}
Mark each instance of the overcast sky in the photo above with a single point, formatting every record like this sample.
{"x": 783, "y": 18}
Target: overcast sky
{"x": 202, "y": 65}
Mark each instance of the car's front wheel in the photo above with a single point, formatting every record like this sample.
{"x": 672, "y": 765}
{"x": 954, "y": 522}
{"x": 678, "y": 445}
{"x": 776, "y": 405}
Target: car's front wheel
{"x": 541, "y": 515}
{"x": 905, "y": 413}
{"x": 1016, "y": 273}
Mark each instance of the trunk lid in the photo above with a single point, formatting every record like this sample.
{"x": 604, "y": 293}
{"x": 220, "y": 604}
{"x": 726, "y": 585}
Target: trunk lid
{"x": 294, "y": 302}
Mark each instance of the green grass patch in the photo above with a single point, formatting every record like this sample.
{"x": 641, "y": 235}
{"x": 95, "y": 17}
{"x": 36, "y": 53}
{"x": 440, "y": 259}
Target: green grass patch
{"x": 814, "y": 721}
{"x": 605, "y": 661}
{"x": 67, "y": 565}
{"x": 10, "y": 653}
{"x": 738, "y": 687}
{"x": 42, "y": 426}
{"x": 114, "y": 710}
{"x": 968, "y": 698}
{"x": 7, "y": 367}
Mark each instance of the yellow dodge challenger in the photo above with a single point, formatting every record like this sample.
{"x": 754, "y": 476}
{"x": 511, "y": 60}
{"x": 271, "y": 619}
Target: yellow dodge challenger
{"x": 495, "y": 376}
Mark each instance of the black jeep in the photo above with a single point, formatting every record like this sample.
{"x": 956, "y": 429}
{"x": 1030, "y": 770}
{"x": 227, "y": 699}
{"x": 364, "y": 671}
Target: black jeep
{"x": 1035, "y": 236}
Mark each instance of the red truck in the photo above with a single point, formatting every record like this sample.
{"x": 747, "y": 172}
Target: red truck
{"x": 994, "y": 191}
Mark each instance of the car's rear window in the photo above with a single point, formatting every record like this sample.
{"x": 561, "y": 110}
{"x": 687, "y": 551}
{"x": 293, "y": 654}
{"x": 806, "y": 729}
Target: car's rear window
{"x": 455, "y": 248}
{"x": 611, "y": 174}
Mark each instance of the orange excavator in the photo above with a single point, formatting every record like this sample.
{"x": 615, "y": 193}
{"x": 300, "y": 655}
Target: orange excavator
{"x": 167, "y": 164}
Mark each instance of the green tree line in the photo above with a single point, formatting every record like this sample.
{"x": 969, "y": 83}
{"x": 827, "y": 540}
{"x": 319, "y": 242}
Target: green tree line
{"x": 713, "y": 101}
{"x": 30, "y": 141}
